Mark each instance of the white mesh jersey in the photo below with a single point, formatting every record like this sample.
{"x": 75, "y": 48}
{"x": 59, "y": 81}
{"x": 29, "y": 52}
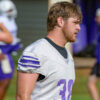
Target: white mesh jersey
{"x": 41, "y": 57}
{"x": 11, "y": 26}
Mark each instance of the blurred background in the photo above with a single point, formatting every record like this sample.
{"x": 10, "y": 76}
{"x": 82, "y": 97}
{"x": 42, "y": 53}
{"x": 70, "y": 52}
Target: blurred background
{"x": 31, "y": 22}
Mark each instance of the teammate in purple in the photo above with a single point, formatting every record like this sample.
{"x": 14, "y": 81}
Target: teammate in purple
{"x": 46, "y": 67}
{"x": 7, "y": 18}
{"x": 5, "y": 36}
{"x": 95, "y": 73}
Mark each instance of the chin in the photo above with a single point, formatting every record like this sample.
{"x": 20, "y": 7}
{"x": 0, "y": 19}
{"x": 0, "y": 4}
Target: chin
{"x": 72, "y": 40}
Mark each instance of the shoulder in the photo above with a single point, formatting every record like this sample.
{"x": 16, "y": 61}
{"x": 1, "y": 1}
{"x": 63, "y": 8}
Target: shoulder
{"x": 33, "y": 58}
{"x": 37, "y": 47}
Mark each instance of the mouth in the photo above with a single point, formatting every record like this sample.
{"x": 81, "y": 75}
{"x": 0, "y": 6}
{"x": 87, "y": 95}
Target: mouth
{"x": 75, "y": 33}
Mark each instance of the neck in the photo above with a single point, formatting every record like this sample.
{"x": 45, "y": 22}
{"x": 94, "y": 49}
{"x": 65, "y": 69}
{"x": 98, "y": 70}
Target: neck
{"x": 57, "y": 37}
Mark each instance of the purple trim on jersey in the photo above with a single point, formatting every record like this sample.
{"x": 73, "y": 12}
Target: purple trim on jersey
{"x": 10, "y": 75}
{"x": 28, "y": 66}
{"x": 29, "y": 61}
{"x": 30, "y": 57}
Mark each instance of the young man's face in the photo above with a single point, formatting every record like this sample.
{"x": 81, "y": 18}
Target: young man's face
{"x": 70, "y": 28}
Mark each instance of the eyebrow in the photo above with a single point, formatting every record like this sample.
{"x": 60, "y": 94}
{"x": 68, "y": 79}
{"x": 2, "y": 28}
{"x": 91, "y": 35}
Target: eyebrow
{"x": 78, "y": 21}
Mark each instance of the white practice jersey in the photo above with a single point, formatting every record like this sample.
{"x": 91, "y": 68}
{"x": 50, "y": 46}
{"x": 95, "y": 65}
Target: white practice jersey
{"x": 11, "y": 26}
{"x": 41, "y": 57}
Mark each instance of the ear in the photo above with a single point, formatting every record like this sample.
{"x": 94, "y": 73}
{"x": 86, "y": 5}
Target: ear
{"x": 60, "y": 21}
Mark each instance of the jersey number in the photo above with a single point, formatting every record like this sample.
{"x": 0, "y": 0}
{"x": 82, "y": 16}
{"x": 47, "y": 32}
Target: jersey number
{"x": 63, "y": 92}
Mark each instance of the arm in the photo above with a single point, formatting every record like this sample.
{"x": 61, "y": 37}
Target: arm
{"x": 5, "y": 35}
{"x": 25, "y": 85}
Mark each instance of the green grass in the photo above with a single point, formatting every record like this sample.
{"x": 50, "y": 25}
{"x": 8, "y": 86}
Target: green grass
{"x": 11, "y": 90}
{"x": 11, "y": 93}
{"x": 80, "y": 90}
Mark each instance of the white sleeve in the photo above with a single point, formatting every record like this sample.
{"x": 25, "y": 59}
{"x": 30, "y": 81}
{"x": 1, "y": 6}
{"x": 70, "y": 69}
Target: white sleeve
{"x": 30, "y": 63}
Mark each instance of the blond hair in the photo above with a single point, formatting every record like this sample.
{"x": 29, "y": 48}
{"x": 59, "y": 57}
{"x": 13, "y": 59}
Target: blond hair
{"x": 64, "y": 10}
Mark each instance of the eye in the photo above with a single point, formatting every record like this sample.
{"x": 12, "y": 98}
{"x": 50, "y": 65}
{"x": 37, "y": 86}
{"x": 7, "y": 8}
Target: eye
{"x": 76, "y": 22}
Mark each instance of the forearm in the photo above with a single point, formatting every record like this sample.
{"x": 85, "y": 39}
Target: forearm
{"x": 25, "y": 85}
{"x": 22, "y": 97}
{"x": 6, "y": 37}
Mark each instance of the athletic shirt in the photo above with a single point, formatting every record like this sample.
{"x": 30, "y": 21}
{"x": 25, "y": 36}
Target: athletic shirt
{"x": 11, "y": 26}
{"x": 62, "y": 50}
{"x": 59, "y": 75}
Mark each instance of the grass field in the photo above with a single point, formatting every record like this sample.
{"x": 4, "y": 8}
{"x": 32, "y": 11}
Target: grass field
{"x": 80, "y": 90}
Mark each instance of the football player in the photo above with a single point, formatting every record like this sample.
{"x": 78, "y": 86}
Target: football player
{"x": 46, "y": 67}
{"x": 8, "y": 13}
{"x": 95, "y": 73}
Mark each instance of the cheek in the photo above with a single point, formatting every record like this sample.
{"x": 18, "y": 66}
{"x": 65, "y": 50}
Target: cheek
{"x": 67, "y": 28}
{"x": 71, "y": 36}
{"x": 67, "y": 31}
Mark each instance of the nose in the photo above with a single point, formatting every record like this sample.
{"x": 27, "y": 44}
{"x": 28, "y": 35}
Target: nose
{"x": 78, "y": 27}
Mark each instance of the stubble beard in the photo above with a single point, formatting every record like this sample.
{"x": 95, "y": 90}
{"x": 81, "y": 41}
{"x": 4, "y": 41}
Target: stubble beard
{"x": 70, "y": 38}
